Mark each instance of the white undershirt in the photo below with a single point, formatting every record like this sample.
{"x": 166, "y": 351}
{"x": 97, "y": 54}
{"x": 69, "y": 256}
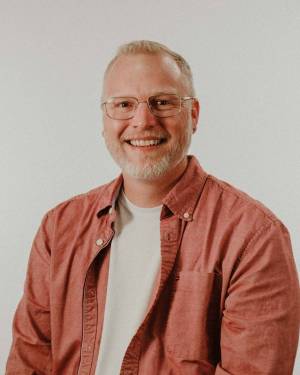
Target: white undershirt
{"x": 133, "y": 268}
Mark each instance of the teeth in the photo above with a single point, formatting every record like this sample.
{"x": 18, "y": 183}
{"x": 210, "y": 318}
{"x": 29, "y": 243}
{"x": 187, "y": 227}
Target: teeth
{"x": 142, "y": 143}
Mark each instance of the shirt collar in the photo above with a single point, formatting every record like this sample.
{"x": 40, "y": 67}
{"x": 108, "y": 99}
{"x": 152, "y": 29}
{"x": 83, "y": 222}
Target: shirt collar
{"x": 109, "y": 195}
{"x": 181, "y": 199}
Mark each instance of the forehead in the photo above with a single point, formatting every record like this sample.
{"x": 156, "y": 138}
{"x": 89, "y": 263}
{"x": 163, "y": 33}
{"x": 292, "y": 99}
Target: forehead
{"x": 143, "y": 75}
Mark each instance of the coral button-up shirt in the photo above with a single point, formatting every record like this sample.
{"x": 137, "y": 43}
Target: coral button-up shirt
{"x": 227, "y": 295}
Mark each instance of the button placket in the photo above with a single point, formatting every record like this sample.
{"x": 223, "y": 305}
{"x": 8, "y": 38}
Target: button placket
{"x": 89, "y": 322}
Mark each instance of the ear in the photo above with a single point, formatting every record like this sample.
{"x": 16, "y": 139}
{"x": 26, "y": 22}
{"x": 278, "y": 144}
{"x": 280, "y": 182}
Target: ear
{"x": 195, "y": 111}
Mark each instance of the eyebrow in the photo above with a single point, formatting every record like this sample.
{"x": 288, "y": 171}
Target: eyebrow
{"x": 154, "y": 94}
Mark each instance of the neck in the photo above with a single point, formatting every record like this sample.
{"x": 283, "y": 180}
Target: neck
{"x": 150, "y": 193}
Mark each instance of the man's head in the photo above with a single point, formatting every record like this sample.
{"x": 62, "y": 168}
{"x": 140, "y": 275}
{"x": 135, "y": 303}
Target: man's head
{"x": 147, "y": 140}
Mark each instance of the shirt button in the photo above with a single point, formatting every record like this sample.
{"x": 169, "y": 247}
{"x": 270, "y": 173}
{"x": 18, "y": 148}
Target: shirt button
{"x": 91, "y": 293}
{"x": 186, "y": 215}
{"x": 99, "y": 242}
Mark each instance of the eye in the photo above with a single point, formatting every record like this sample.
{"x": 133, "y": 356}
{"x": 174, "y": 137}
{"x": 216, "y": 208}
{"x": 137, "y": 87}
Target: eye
{"x": 122, "y": 104}
{"x": 161, "y": 102}
{"x": 164, "y": 102}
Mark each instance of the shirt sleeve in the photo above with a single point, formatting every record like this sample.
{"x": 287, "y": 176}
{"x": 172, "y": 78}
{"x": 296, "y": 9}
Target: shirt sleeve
{"x": 260, "y": 324}
{"x": 30, "y": 352}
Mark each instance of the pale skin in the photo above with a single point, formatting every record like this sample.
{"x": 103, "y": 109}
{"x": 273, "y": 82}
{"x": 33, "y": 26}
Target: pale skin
{"x": 141, "y": 76}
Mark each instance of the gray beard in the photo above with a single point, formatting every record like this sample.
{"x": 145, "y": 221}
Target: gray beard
{"x": 152, "y": 169}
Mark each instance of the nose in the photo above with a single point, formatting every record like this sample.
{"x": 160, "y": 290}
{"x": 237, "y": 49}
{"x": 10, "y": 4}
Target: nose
{"x": 143, "y": 116}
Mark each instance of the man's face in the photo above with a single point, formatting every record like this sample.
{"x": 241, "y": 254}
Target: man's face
{"x": 141, "y": 76}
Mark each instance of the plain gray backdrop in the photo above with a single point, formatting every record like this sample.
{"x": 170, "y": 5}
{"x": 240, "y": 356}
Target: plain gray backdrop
{"x": 245, "y": 57}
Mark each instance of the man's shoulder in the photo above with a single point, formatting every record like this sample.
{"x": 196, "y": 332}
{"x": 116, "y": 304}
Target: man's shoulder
{"x": 224, "y": 197}
{"x": 89, "y": 201}
{"x": 237, "y": 200}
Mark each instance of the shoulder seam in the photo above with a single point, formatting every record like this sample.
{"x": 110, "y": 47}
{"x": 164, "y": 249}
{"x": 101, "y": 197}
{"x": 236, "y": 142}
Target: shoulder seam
{"x": 255, "y": 235}
{"x": 251, "y": 201}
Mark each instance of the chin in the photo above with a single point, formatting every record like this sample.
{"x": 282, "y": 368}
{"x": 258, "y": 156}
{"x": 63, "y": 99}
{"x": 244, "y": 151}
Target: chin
{"x": 147, "y": 171}
{"x": 151, "y": 170}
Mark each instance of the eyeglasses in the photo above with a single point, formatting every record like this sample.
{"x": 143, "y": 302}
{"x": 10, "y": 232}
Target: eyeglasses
{"x": 162, "y": 105}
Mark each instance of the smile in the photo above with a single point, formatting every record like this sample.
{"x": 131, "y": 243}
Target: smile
{"x": 145, "y": 142}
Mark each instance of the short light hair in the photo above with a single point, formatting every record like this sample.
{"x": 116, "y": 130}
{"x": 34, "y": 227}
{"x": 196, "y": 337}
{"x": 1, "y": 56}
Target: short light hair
{"x": 150, "y": 47}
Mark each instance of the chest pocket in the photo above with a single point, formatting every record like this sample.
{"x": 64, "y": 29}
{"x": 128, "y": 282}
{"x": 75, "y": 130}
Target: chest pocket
{"x": 193, "y": 322}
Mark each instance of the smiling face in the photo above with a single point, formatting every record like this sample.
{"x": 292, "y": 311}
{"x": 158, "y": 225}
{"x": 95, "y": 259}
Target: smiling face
{"x": 147, "y": 146}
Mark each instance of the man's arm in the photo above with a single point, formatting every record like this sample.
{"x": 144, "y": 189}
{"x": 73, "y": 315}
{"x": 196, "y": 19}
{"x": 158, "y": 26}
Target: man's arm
{"x": 260, "y": 325}
{"x": 30, "y": 352}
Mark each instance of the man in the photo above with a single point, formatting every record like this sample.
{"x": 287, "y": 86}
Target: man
{"x": 166, "y": 270}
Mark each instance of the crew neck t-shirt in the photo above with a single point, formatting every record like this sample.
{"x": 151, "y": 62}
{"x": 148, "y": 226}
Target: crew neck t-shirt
{"x": 133, "y": 267}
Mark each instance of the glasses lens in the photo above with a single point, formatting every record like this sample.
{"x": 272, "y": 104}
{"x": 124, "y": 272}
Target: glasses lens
{"x": 165, "y": 105}
{"x": 121, "y": 108}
